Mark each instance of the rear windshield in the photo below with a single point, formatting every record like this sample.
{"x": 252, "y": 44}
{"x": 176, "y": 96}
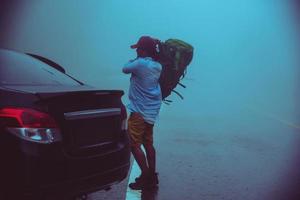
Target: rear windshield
{"x": 21, "y": 69}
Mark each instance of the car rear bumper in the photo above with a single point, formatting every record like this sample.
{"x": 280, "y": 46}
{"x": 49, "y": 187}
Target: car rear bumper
{"x": 74, "y": 187}
{"x": 34, "y": 170}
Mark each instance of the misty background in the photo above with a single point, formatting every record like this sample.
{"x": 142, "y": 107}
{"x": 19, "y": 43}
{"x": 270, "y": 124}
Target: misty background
{"x": 246, "y": 60}
{"x": 246, "y": 52}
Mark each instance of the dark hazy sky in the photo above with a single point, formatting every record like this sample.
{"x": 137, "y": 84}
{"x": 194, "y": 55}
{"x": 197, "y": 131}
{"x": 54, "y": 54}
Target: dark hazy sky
{"x": 246, "y": 52}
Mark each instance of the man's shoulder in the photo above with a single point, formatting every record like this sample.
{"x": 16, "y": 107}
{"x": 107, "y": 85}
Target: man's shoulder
{"x": 148, "y": 63}
{"x": 146, "y": 59}
{"x": 152, "y": 61}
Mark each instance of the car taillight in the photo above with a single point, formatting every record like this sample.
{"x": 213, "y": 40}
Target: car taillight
{"x": 31, "y": 125}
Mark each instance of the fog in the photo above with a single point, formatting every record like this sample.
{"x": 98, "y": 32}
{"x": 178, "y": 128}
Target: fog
{"x": 246, "y": 55}
{"x": 245, "y": 51}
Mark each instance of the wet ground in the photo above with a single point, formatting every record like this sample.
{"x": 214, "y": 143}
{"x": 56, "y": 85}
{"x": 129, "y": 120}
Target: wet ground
{"x": 117, "y": 192}
{"x": 225, "y": 151}
{"x": 246, "y": 153}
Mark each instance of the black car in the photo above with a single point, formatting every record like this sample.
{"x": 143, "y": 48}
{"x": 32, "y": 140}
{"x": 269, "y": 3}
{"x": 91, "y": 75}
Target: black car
{"x": 58, "y": 136}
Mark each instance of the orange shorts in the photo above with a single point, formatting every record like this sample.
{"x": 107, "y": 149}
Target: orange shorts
{"x": 140, "y": 132}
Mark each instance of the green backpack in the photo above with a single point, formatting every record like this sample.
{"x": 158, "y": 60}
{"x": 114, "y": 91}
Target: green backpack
{"x": 174, "y": 56}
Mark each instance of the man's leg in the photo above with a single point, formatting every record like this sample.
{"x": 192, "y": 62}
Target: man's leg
{"x": 140, "y": 158}
{"x": 136, "y": 129}
{"x": 151, "y": 157}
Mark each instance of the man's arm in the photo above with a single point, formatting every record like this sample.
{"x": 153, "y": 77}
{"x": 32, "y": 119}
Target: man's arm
{"x": 130, "y": 67}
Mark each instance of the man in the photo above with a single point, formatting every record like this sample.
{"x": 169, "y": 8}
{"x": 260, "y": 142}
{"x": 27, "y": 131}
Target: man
{"x": 145, "y": 102}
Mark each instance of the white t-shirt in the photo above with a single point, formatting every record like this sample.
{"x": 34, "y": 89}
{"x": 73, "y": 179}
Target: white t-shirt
{"x": 144, "y": 92}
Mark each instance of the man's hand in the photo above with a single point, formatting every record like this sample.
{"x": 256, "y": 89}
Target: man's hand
{"x": 130, "y": 67}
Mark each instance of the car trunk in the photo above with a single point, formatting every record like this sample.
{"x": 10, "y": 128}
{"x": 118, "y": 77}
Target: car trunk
{"x": 90, "y": 120}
